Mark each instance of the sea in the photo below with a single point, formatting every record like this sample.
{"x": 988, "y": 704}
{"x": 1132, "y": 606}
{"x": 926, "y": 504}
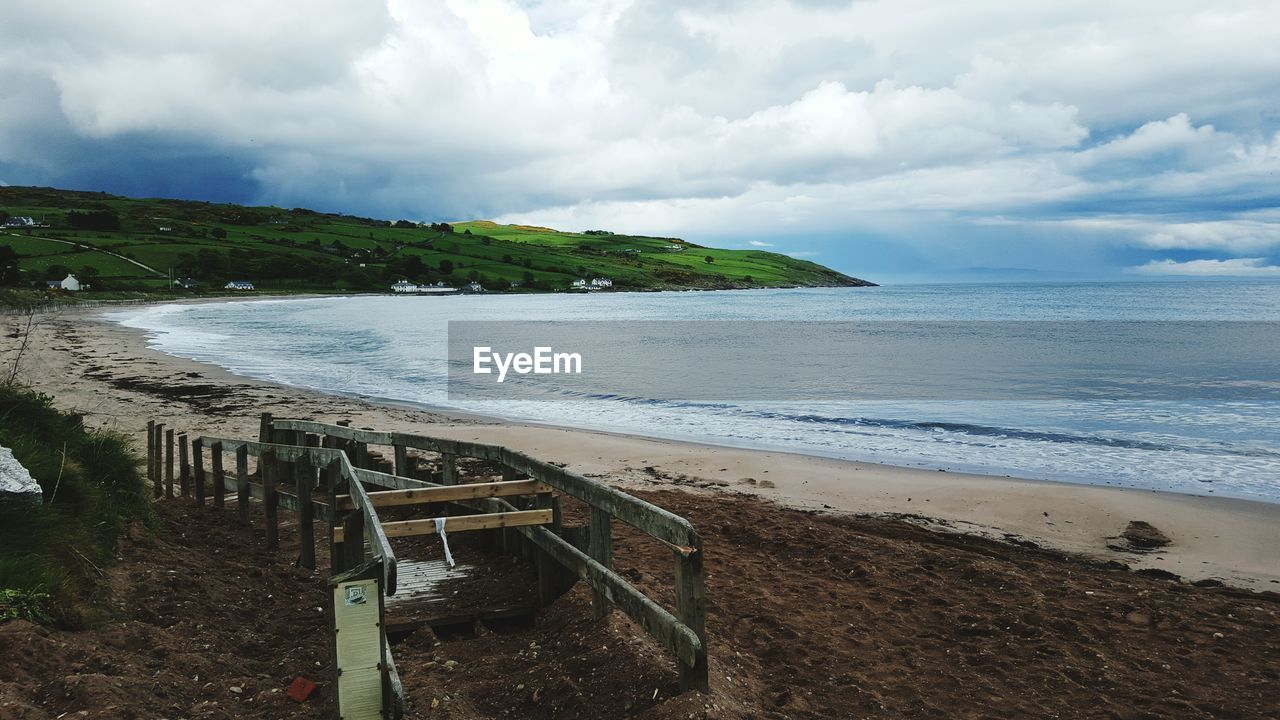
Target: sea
{"x": 395, "y": 349}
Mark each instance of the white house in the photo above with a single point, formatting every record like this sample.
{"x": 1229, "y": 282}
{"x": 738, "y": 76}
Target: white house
{"x": 20, "y": 222}
{"x": 579, "y": 283}
{"x": 70, "y": 283}
{"x": 238, "y": 285}
{"x": 475, "y": 287}
{"x": 598, "y": 283}
{"x": 404, "y": 286}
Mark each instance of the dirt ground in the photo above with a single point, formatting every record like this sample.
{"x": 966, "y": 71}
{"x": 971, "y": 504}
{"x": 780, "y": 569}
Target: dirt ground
{"x": 810, "y": 616}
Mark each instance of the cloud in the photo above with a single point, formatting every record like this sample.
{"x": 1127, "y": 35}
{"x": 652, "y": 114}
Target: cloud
{"x": 1235, "y": 267}
{"x": 758, "y": 243}
{"x": 1145, "y": 127}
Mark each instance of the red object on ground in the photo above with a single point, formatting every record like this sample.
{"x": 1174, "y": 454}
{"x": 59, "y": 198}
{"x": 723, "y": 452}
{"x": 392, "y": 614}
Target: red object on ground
{"x": 300, "y": 689}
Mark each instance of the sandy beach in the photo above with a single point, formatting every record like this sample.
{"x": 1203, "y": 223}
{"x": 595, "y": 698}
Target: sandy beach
{"x": 107, "y": 372}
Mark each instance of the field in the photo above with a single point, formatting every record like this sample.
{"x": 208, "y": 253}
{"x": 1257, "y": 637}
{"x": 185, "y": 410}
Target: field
{"x": 96, "y": 236}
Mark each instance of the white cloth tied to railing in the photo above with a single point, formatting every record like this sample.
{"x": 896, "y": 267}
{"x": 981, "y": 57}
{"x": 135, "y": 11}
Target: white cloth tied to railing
{"x": 444, "y": 539}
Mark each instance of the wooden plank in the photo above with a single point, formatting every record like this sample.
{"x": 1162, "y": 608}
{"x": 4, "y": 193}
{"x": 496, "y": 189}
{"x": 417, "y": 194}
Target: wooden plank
{"x": 184, "y": 467}
{"x": 470, "y": 491}
{"x": 461, "y": 523}
{"x": 197, "y": 457}
{"x": 655, "y": 619}
{"x": 168, "y": 463}
{"x": 242, "y": 484}
{"x": 219, "y": 477}
{"x": 641, "y": 515}
{"x": 285, "y": 500}
{"x": 601, "y": 550}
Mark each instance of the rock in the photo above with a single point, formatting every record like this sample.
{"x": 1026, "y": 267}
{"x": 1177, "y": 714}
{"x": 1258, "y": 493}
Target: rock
{"x": 1138, "y": 618}
{"x": 1144, "y": 535}
{"x": 237, "y": 689}
{"x": 17, "y": 487}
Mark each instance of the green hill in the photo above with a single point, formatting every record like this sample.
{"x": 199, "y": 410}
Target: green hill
{"x": 119, "y": 243}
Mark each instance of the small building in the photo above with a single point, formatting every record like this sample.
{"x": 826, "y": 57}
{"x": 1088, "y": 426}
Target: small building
{"x": 475, "y": 287}
{"x": 20, "y": 222}
{"x": 579, "y": 284}
{"x": 238, "y": 285}
{"x": 404, "y": 286}
{"x": 70, "y": 283}
{"x": 186, "y": 283}
{"x": 601, "y": 283}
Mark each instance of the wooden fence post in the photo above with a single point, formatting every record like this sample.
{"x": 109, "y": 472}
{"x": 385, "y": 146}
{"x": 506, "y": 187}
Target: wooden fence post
{"x": 264, "y": 428}
{"x": 448, "y": 469}
{"x": 352, "y": 539}
{"x": 549, "y": 575}
{"x": 198, "y": 460}
{"x": 601, "y": 550}
{"x": 304, "y": 478}
{"x": 270, "y": 500}
{"x": 242, "y": 484}
{"x": 691, "y": 608}
{"x": 157, "y": 488}
{"x": 168, "y": 464}
{"x": 151, "y": 451}
{"x": 219, "y": 478}
{"x": 184, "y": 466}
{"x": 402, "y": 461}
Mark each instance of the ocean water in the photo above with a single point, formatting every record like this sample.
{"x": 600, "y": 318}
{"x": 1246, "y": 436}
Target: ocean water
{"x": 394, "y": 348}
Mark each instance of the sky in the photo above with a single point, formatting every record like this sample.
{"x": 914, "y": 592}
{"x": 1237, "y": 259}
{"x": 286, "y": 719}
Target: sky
{"x": 901, "y": 141}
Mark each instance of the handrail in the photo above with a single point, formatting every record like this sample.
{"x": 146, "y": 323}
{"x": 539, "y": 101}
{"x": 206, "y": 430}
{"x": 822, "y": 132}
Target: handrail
{"x": 642, "y": 515}
{"x": 684, "y": 633}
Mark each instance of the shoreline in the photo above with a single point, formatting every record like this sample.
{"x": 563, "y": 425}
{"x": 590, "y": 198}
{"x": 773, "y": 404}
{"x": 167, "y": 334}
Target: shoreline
{"x": 106, "y": 371}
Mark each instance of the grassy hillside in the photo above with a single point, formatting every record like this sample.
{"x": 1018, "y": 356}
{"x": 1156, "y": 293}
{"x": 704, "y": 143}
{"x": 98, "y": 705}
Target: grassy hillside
{"x": 119, "y": 243}
{"x": 51, "y": 555}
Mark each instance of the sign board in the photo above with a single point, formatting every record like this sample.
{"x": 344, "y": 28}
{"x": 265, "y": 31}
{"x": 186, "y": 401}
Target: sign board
{"x": 358, "y": 640}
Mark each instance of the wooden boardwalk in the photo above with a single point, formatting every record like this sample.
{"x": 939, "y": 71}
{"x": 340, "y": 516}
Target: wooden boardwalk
{"x": 479, "y": 588}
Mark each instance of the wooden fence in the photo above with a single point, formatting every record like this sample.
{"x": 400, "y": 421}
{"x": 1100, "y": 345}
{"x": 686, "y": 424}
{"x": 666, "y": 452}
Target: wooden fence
{"x": 290, "y": 453}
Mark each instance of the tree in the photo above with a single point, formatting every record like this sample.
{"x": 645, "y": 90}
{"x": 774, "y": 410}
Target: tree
{"x": 10, "y": 274}
{"x": 87, "y": 275}
{"x": 56, "y": 272}
{"x": 103, "y": 220}
{"x": 219, "y": 233}
{"x": 528, "y": 277}
{"x": 507, "y": 259}
{"x": 708, "y": 259}
{"x": 446, "y": 267}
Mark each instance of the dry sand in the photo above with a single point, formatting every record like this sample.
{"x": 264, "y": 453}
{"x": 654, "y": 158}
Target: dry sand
{"x": 110, "y": 375}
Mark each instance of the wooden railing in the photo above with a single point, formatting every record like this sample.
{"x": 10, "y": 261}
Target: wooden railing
{"x": 289, "y": 454}
{"x": 683, "y": 633}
